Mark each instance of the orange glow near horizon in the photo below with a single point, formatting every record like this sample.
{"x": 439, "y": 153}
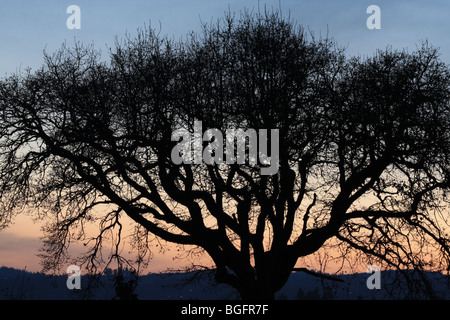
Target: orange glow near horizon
{"x": 21, "y": 241}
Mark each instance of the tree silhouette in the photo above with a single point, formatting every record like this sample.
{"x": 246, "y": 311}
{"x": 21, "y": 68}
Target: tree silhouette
{"x": 125, "y": 282}
{"x": 363, "y": 149}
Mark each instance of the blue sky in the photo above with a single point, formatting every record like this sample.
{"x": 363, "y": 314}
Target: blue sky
{"x": 27, "y": 27}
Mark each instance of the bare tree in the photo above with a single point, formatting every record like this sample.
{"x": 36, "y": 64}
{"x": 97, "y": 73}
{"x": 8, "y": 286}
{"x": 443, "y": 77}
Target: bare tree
{"x": 363, "y": 149}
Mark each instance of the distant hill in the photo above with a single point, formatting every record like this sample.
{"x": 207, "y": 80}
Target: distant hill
{"x": 23, "y": 285}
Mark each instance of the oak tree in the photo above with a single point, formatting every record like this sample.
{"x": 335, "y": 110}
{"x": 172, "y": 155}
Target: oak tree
{"x": 364, "y": 145}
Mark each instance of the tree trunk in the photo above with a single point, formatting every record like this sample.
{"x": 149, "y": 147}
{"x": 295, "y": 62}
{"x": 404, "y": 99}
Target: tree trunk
{"x": 262, "y": 282}
{"x": 272, "y": 274}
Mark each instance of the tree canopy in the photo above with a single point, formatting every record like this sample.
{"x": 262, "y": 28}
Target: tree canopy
{"x": 363, "y": 148}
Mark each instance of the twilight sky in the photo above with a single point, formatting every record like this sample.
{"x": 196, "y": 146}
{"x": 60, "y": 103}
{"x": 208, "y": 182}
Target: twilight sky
{"x": 28, "y": 27}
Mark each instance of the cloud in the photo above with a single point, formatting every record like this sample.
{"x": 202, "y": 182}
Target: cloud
{"x": 19, "y": 251}
{"x": 10, "y": 242}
